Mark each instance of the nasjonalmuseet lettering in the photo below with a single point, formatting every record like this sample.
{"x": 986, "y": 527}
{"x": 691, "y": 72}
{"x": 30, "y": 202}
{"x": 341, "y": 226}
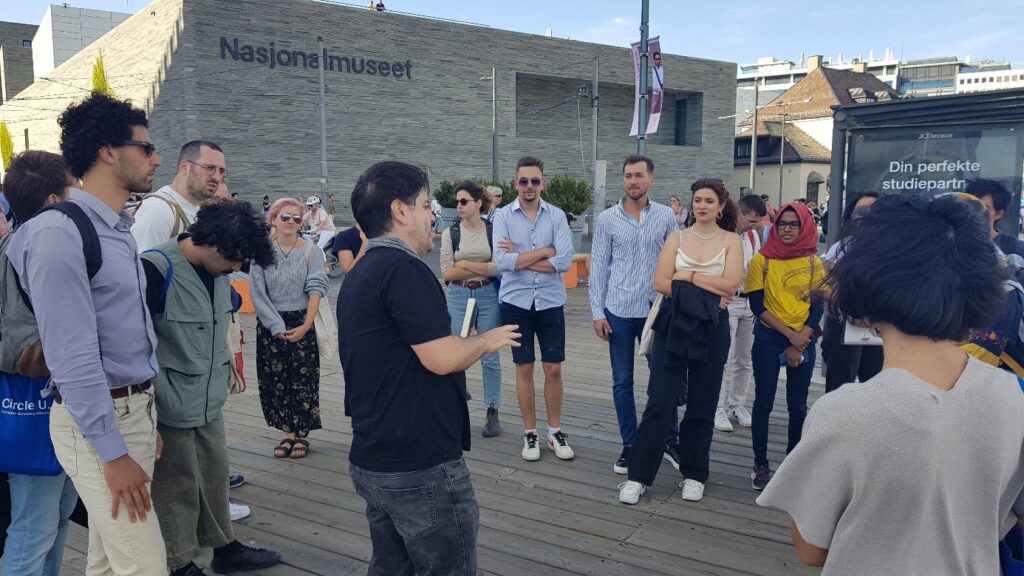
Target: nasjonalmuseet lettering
{"x": 274, "y": 57}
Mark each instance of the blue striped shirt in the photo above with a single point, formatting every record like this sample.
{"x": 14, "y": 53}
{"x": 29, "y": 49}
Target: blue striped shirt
{"x": 623, "y": 257}
{"x": 525, "y": 288}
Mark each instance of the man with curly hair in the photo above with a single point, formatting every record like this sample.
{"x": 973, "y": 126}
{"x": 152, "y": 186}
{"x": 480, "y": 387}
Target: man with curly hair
{"x": 188, "y": 295}
{"x": 97, "y": 336}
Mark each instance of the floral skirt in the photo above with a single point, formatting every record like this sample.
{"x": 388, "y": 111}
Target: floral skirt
{"x": 289, "y": 378}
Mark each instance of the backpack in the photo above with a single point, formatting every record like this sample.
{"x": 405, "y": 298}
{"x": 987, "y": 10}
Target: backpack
{"x": 20, "y": 349}
{"x": 456, "y": 233}
{"x": 181, "y": 222}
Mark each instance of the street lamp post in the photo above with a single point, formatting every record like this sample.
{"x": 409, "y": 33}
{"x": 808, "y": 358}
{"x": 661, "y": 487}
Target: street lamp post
{"x": 494, "y": 123}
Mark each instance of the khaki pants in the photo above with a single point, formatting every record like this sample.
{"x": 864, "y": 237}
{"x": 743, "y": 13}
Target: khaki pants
{"x": 116, "y": 547}
{"x": 190, "y": 491}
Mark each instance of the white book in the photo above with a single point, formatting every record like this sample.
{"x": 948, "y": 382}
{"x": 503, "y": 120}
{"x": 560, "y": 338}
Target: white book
{"x": 860, "y": 336}
{"x": 469, "y": 320}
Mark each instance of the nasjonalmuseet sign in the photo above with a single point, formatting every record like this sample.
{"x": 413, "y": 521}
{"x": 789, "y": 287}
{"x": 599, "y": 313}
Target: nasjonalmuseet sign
{"x": 274, "y": 57}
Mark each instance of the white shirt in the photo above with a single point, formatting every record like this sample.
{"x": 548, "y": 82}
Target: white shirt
{"x": 154, "y": 219}
{"x": 751, "y": 242}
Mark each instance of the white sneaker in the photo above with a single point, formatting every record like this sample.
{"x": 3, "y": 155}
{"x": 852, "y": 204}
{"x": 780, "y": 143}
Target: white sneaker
{"x": 238, "y": 511}
{"x": 693, "y": 491}
{"x": 560, "y": 444}
{"x": 722, "y": 423}
{"x": 531, "y": 451}
{"x": 741, "y": 415}
{"x": 630, "y": 492}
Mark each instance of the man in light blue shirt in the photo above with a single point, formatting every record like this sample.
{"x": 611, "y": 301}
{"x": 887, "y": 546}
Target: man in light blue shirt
{"x": 627, "y": 241}
{"x": 533, "y": 247}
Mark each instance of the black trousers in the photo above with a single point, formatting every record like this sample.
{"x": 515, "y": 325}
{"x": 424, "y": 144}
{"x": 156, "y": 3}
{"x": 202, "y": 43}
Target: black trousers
{"x": 674, "y": 377}
{"x": 845, "y": 364}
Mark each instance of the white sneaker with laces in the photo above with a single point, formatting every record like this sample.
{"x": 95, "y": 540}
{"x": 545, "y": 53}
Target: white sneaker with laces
{"x": 741, "y": 415}
{"x": 630, "y": 492}
{"x": 238, "y": 511}
{"x": 560, "y": 444}
{"x": 693, "y": 491}
{"x": 531, "y": 451}
{"x": 722, "y": 423}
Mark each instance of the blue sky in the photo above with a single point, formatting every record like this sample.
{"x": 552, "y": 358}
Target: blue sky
{"x": 733, "y": 30}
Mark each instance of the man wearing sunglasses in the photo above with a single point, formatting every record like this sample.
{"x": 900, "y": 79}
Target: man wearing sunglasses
{"x": 97, "y": 336}
{"x": 533, "y": 246}
{"x": 172, "y": 209}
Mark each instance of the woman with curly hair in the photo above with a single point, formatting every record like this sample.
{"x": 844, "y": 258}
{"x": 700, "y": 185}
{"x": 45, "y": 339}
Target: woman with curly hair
{"x": 286, "y": 297}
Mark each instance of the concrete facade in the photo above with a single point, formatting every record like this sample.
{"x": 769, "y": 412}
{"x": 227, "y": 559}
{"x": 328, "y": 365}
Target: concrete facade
{"x": 15, "y": 58}
{"x": 177, "y": 58}
{"x": 65, "y": 31}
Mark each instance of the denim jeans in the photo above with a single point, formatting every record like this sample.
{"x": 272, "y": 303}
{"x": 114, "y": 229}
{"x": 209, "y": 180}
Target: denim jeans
{"x": 622, "y": 350}
{"x": 768, "y": 344}
{"x": 700, "y": 382}
{"x": 40, "y": 507}
{"x": 422, "y": 523}
{"x": 488, "y": 317}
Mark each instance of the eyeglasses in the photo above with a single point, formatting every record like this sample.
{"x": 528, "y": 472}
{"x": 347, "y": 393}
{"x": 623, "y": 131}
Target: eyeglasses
{"x": 291, "y": 217}
{"x": 211, "y": 169}
{"x": 782, "y": 225}
{"x": 147, "y": 147}
{"x": 527, "y": 181}
{"x": 463, "y": 201}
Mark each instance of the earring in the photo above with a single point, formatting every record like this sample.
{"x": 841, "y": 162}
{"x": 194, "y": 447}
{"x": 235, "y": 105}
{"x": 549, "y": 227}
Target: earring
{"x": 719, "y": 217}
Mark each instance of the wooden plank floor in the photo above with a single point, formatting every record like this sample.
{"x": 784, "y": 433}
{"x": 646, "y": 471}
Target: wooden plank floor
{"x": 539, "y": 518}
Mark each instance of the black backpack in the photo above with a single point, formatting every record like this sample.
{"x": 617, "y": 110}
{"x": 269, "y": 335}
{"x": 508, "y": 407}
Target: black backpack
{"x": 16, "y": 313}
{"x": 456, "y": 233}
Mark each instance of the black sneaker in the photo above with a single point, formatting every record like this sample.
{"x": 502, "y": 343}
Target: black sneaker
{"x": 622, "y": 464}
{"x": 492, "y": 427}
{"x": 759, "y": 477}
{"x": 236, "y": 557}
{"x": 190, "y": 570}
{"x": 672, "y": 455}
{"x": 235, "y": 480}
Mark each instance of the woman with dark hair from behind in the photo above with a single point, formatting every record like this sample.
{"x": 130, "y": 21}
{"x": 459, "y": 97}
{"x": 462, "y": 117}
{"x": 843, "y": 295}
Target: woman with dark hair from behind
{"x": 847, "y": 363}
{"x": 698, "y": 273}
{"x": 918, "y": 470}
{"x": 783, "y": 286}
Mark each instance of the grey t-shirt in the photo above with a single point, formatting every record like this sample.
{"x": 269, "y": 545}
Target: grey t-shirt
{"x": 894, "y": 476}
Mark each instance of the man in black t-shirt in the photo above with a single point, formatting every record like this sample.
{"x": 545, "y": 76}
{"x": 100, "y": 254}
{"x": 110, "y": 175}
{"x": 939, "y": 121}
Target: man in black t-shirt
{"x": 996, "y": 199}
{"x": 405, "y": 385}
{"x": 348, "y": 247}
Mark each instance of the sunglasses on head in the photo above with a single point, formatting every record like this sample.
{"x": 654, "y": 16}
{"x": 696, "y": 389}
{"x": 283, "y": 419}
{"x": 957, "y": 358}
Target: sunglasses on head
{"x": 291, "y": 217}
{"x": 527, "y": 181}
{"x": 782, "y": 225}
{"x": 463, "y": 201}
{"x": 147, "y": 147}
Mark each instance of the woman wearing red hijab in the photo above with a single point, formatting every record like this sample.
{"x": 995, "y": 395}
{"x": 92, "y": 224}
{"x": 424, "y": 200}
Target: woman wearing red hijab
{"x": 784, "y": 287}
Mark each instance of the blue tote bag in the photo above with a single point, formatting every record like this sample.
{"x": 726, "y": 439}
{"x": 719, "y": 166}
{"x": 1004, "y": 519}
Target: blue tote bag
{"x": 25, "y": 423}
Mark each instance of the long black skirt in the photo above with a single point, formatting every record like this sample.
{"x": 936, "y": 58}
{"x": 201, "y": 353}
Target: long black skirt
{"x": 289, "y": 378}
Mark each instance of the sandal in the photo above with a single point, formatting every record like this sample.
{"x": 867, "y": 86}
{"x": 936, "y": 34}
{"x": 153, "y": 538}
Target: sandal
{"x": 300, "y": 448}
{"x": 284, "y": 449}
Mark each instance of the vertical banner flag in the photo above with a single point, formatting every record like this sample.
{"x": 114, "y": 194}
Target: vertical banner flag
{"x": 657, "y": 84}
{"x": 634, "y": 131}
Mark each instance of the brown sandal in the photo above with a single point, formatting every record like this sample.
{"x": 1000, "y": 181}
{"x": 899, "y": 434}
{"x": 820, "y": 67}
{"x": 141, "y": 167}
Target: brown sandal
{"x": 300, "y": 448}
{"x": 284, "y": 449}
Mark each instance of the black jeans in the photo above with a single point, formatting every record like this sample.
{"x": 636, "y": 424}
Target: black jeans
{"x": 845, "y": 364}
{"x": 674, "y": 377}
{"x": 422, "y": 523}
{"x": 768, "y": 345}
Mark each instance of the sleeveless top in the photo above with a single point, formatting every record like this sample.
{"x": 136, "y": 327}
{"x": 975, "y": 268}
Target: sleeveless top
{"x": 713, "y": 267}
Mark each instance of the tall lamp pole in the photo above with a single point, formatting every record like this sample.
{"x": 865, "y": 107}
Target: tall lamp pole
{"x": 494, "y": 123}
{"x": 323, "y": 123}
{"x": 641, "y": 142}
{"x": 753, "y": 143}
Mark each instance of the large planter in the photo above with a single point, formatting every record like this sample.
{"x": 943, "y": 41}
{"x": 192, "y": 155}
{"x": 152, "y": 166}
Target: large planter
{"x": 448, "y": 217}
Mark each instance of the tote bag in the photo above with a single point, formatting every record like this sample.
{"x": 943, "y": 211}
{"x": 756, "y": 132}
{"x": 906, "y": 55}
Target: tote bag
{"x": 25, "y": 423}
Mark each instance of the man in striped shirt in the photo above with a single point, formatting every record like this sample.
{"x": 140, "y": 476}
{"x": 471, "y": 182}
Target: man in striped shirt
{"x": 627, "y": 242}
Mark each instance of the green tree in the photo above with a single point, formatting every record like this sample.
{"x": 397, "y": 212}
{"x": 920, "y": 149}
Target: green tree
{"x": 6, "y": 145}
{"x": 99, "y": 77}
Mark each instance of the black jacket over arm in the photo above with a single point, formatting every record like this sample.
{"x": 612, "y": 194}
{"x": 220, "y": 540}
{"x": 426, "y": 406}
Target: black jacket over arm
{"x": 689, "y": 320}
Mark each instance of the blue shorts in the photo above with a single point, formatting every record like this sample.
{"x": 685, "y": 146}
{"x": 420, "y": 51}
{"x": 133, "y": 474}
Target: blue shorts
{"x": 549, "y": 327}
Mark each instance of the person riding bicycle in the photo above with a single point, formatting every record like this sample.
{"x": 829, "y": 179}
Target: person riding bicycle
{"x": 318, "y": 222}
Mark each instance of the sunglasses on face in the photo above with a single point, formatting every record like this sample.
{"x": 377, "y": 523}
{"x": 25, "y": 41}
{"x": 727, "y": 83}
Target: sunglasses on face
{"x": 463, "y": 201}
{"x": 147, "y": 147}
{"x": 528, "y": 181}
{"x": 783, "y": 225}
{"x": 292, "y": 218}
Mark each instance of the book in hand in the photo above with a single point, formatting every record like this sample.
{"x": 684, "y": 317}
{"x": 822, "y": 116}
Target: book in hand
{"x": 469, "y": 320}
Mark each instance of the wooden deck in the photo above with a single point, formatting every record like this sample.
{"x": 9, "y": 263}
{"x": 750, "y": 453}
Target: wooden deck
{"x": 538, "y": 518}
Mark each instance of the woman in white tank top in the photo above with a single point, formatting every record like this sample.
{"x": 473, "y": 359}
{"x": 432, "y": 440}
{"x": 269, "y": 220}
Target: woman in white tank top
{"x": 707, "y": 255}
